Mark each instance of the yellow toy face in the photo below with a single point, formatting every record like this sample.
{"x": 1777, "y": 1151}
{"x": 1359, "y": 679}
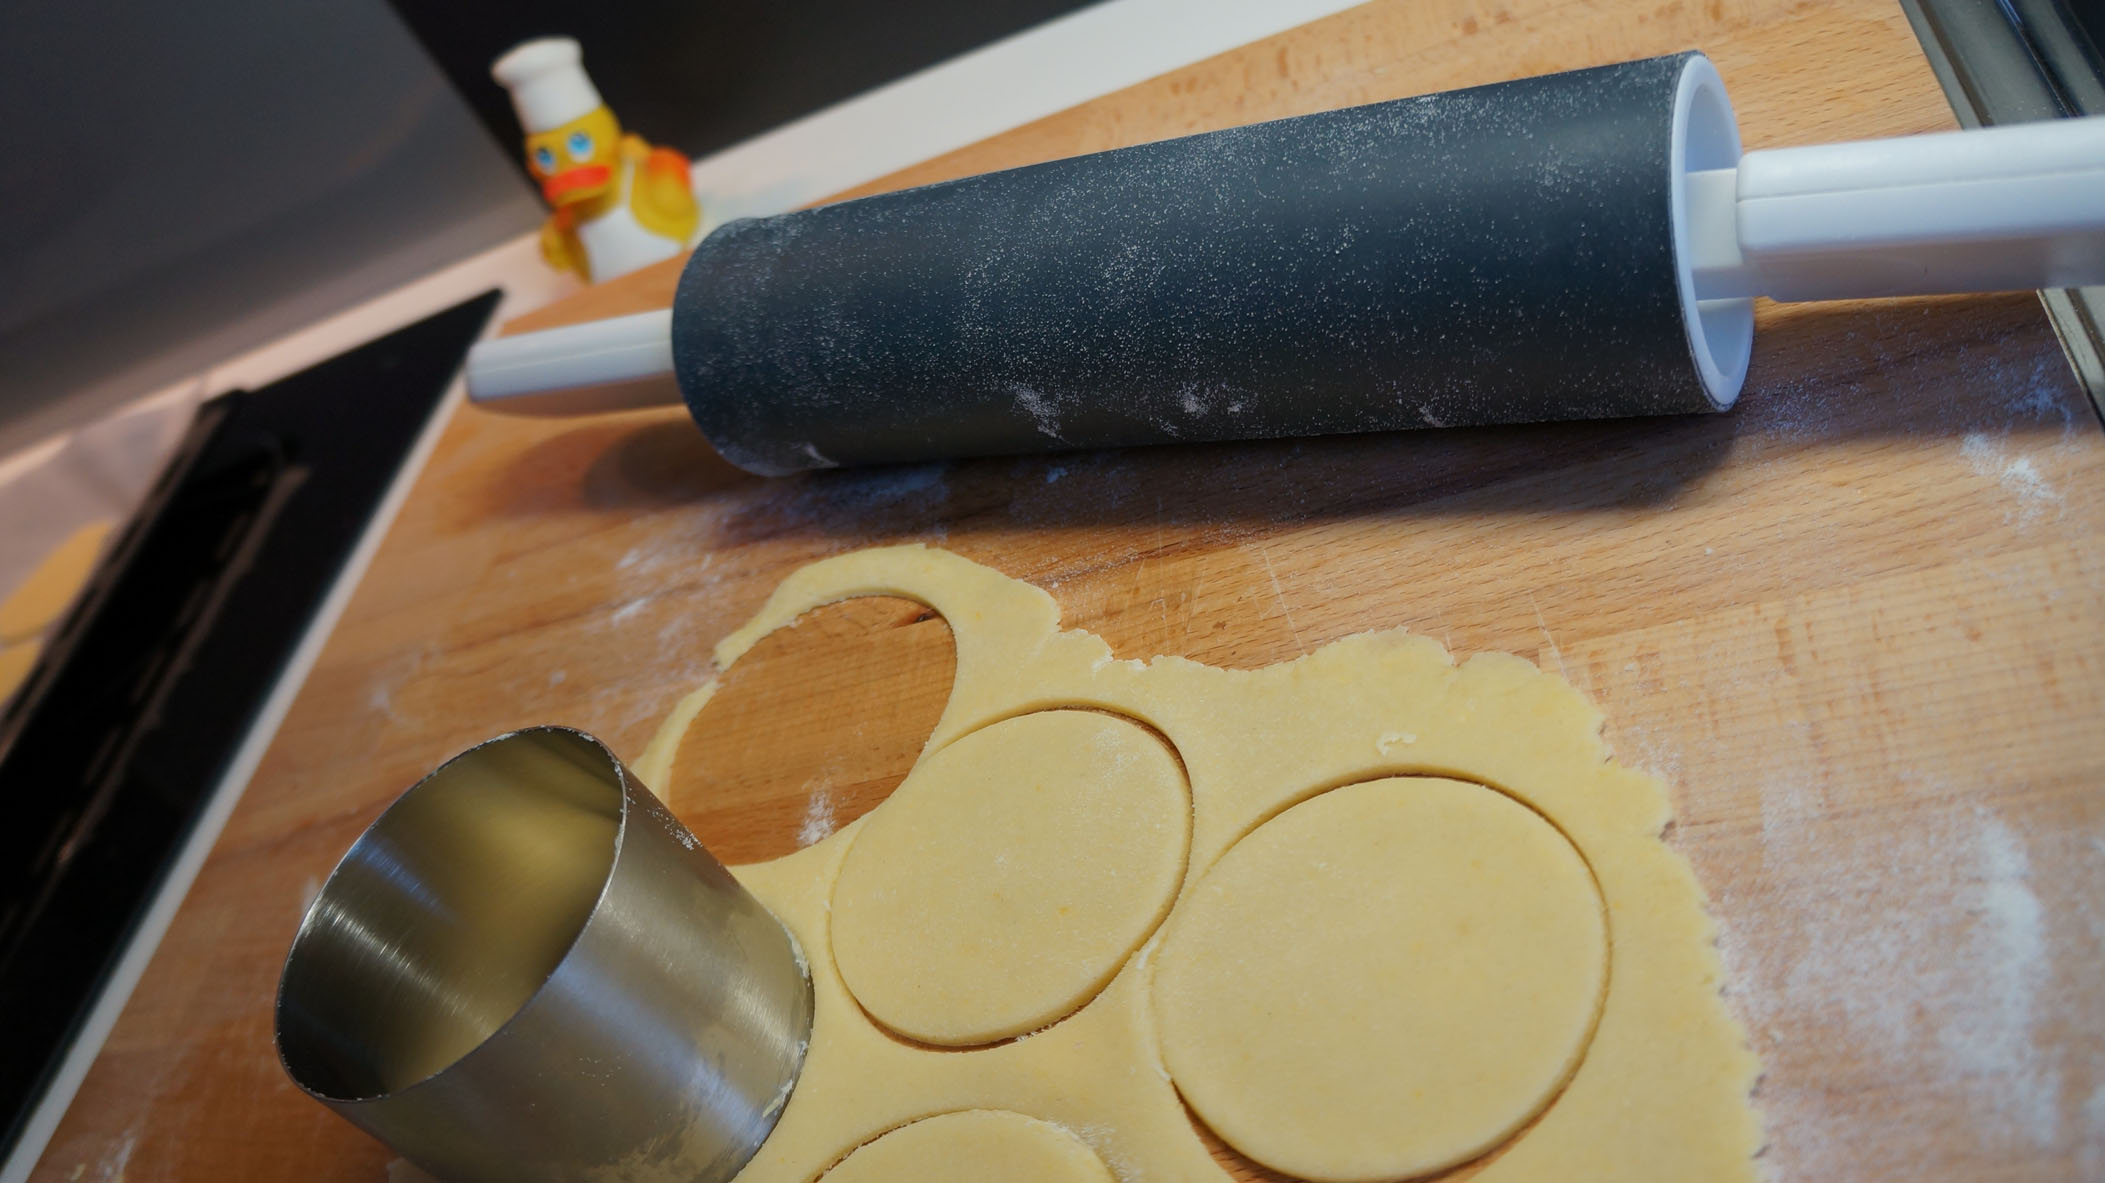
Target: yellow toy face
{"x": 575, "y": 162}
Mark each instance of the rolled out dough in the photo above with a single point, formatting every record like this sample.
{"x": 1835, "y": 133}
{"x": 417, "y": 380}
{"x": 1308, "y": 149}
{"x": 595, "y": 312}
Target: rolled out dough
{"x": 976, "y": 1146}
{"x": 1660, "y": 1092}
{"x": 1010, "y": 875}
{"x": 1382, "y": 981}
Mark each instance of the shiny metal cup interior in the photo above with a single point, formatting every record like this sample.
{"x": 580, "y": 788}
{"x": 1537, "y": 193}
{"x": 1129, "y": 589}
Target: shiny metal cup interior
{"x": 527, "y": 969}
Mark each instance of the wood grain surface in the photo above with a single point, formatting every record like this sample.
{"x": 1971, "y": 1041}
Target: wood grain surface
{"x": 1858, "y": 625}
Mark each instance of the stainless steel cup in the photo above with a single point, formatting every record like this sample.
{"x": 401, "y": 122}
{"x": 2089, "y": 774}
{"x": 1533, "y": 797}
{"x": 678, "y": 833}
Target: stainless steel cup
{"x": 527, "y": 969}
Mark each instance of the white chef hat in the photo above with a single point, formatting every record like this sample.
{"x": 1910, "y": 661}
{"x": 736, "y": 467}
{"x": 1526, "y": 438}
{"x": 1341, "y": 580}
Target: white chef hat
{"x": 548, "y": 83}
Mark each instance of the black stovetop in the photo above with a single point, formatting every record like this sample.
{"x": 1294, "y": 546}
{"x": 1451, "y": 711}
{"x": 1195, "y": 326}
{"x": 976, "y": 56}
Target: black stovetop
{"x": 151, "y": 685}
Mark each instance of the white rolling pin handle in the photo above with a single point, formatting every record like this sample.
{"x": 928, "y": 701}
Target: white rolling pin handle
{"x": 2000, "y": 209}
{"x": 577, "y": 369}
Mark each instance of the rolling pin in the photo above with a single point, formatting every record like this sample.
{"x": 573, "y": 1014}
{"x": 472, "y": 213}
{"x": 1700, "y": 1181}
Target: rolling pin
{"x": 1574, "y": 246}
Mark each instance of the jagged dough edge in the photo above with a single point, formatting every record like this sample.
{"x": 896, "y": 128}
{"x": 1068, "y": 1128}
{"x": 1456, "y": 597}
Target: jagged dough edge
{"x": 1256, "y": 742}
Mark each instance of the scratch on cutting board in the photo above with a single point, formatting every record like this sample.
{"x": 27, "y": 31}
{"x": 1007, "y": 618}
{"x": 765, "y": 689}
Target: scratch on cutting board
{"x": 1279, "y": 594}
{"x": 1543, "y": 624}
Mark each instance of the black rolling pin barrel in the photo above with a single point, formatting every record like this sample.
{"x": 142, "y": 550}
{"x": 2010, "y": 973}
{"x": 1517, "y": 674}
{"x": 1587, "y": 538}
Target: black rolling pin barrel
{"x": 1498, "y": 254}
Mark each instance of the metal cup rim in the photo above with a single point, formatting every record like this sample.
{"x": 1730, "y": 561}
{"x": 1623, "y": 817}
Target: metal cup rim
{"x": 321, "y": 895}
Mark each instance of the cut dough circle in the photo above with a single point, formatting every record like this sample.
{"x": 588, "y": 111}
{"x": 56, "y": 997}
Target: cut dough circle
{"x": 975, "y": 1146}
{"x": 1010, "y": 875}
{"x": 1661, "y": 1095}
{"x": 1385, "y": 980}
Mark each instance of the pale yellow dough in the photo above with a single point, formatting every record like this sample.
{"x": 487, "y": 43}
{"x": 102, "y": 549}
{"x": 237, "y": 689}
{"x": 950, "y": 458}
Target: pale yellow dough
{"x": 1382, "y": 981}
{"x": 1010, "y": 875}
{"x": 1660, "y": 1092}
{"x": 976, "y": 1146}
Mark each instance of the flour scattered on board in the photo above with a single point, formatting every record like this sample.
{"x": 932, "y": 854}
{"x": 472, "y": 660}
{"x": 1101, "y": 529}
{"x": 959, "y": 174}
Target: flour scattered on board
{"x": 653, "y": 648}
{"x": 397, "y": 672}
{"x": 2017, "y": 457}
{"x": 114, "y": 1162}
{"x": 818, "y": 817}
{"x": 1641, "y": 747}
{"x": 1925, "y": 952}
{"x": 1994, "y": 459}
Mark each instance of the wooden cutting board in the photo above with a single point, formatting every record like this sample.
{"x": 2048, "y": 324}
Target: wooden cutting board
{"x": 1858, "y": 624}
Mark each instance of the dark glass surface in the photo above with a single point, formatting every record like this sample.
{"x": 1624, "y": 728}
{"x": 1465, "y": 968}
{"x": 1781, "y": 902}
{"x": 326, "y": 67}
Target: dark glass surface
{"x": 150, "y": 686}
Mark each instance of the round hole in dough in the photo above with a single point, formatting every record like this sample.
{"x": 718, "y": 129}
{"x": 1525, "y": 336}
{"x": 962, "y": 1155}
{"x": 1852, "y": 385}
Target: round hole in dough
{"x": 974, "y": 1146}
{"x": 1010, "y": 875}
{"x": 1385, "y": 980}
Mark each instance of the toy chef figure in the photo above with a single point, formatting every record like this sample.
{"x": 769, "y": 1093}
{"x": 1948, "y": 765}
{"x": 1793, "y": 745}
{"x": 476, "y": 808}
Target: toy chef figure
{"x": 619, "y": 203}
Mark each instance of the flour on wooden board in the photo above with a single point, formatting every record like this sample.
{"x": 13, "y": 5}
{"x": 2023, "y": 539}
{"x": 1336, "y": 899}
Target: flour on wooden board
{"x": 380, "y": 697}
{"x": 2026, "y": 391}
{"x": 2041, "y": 394}
{"x": 818, "y": 816}
{"x": 1994, "y": 459}
{"x": 674, "y": 569}
{"x": 114, "y": 1162}
{"x": 1928, "y": 951}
